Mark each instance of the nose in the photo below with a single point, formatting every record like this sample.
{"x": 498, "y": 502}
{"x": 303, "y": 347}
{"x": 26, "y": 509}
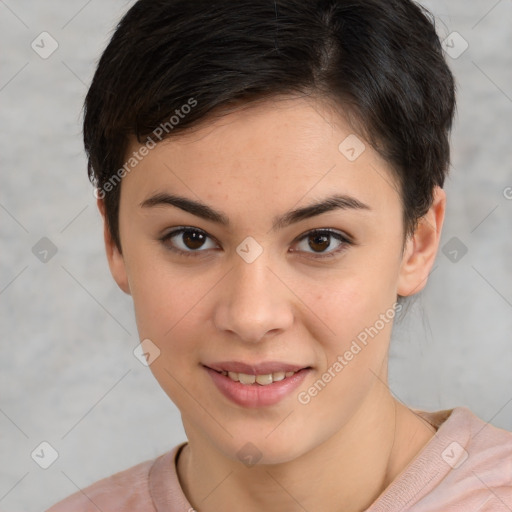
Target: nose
{"x": 255, "y": 303}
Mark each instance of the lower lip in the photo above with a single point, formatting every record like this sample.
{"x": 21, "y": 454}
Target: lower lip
{"x": 255, "y": 395}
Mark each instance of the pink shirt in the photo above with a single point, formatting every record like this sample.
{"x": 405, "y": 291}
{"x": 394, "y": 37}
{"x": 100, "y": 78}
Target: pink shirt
{"x": 466, "y": 467}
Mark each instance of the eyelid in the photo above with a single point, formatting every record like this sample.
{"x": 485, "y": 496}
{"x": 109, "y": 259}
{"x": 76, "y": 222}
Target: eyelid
{"x": 177, "y": 231}
{"x": 180, "y": 229}
{"x": 342, "y": 237}
{"x": 331, "y": 231}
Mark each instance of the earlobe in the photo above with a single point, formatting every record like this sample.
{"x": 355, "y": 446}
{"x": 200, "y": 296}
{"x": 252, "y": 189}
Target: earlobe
{"x": 421, "y": 248}
{"x": 115, "y": 259}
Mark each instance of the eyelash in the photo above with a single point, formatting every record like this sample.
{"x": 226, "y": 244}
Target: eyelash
{"x": 345, "y": 241}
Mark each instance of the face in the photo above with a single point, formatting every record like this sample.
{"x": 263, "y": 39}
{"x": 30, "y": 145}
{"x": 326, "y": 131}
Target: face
{"x": 232, "y": 268}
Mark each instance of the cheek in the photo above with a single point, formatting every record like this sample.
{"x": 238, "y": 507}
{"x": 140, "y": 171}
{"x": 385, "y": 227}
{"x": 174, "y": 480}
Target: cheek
{"x": 352, "y": 349}
{"x": 168, "y": 307}
{"x": 351, "y": 337}
{"x": 343, "y": 304}
{"x": 167, "y": 302}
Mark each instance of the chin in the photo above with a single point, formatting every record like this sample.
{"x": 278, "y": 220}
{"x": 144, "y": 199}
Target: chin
{"x": 259, "y": 450}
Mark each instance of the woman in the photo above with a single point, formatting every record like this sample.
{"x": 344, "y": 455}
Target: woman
{"x": 270, "y": 177}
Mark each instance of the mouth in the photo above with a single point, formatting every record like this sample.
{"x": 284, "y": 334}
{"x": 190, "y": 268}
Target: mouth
{"x": 262, "y": 374}
{"x": 256, "y": 385}
{"x": 261, "y": 379}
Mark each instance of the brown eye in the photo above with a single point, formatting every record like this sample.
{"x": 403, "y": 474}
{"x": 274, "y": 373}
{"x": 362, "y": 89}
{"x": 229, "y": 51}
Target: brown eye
{"x": 188, "y": 241}
{"x": 319, "y": 242}
{"x": 322, "y": 243}
{"x": 193, "y": 239}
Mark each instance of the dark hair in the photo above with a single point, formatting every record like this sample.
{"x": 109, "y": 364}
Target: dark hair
{"x": 379, "y": 61}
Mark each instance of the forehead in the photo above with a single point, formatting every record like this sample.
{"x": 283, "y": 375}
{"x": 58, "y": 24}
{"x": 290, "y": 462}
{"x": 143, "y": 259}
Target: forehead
{"x": 278, "y": 152}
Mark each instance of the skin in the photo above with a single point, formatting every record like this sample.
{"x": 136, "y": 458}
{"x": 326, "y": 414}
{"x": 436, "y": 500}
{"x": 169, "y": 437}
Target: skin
{"x": 346, "y": 445}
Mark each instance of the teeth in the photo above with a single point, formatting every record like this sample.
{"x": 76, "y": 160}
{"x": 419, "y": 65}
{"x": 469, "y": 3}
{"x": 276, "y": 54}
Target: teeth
{"x": 263, "y": 380}
{"x": 278, "y": 376}
{"x": 246, "y": 379}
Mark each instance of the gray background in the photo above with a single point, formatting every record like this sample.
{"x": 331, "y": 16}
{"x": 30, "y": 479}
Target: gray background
{"x": 67, "y": 372}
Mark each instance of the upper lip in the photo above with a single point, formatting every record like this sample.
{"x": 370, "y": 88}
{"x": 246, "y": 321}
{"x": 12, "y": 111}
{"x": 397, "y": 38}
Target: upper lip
{"x": 263, "y": 368}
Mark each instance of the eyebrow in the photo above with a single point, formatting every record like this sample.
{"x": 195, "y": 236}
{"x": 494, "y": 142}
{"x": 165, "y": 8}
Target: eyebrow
{"x": 334, "y": 202}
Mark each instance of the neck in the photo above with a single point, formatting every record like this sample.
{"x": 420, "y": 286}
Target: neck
{"x": 349, "y": 471}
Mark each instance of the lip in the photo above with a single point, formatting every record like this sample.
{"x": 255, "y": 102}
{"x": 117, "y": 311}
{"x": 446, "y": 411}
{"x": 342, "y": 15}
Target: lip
{"x": 256, "y": 368}
{"x": 255, "y": 395}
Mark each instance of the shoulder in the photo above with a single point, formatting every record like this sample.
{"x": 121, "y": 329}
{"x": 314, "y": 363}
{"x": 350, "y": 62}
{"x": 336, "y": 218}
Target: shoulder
{"x": 467, "y": 465}
{"x": 474, "y": 440}
{"x": 126, "y": 490}
{"x": 489, "y": 462}
{"x": 479, "y": 459}
{"x": 488, "y": 451}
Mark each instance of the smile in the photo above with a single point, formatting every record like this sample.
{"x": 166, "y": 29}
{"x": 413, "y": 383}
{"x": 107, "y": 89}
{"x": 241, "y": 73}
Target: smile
{"x": 259, "y": 385}
{"x": 262, "y": 380}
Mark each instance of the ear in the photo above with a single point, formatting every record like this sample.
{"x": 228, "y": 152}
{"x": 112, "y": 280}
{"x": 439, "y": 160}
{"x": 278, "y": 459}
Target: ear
{"x": 114, "y": 256}
{"x": 421, "y": 248}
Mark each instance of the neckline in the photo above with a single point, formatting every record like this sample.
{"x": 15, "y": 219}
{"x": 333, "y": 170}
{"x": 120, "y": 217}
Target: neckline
{"x": 425, "y": 471}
